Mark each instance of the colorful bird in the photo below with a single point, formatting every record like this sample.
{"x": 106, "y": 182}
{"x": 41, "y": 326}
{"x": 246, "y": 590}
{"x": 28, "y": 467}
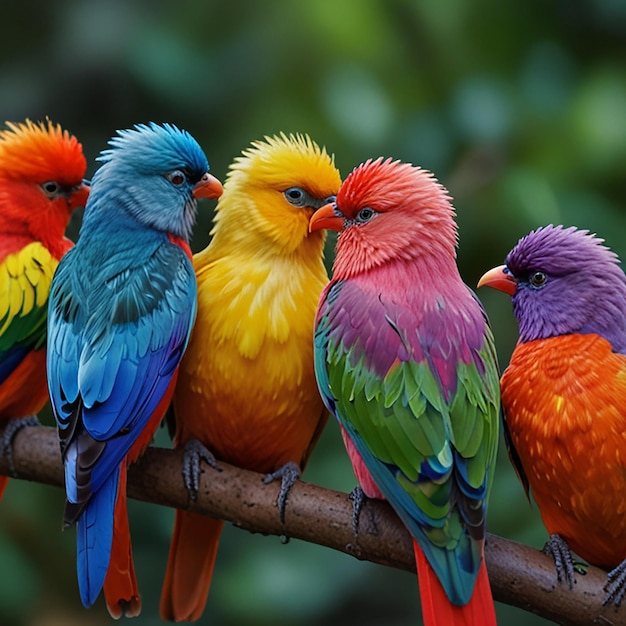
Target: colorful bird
{"x": 41, "y": 183}
{"x": 405, "y": 360}
{"x": 122, "y": 304}
{"x": 564, "y": 392}
{"x": 246, "y": 390}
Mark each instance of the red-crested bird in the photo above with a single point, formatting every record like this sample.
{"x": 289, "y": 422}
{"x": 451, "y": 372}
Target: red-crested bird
{"x": 405, "y": 360}
{"x": 41, "y": 182}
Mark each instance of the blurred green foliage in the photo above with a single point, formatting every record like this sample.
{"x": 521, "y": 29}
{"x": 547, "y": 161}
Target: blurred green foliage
{"x": 518, "y": 107}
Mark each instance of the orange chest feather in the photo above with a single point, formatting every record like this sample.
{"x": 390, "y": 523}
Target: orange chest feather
{"x": 256, "y": 414}
{"x": 565, "y": 405}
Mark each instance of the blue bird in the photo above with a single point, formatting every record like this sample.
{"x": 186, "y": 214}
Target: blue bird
{"x": 122, "y": 304}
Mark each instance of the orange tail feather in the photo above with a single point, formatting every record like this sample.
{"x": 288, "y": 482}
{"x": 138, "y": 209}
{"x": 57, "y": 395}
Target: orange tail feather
{"x": 437, "y": 610}
{"x": 121, "y": 591}
{"x": 190, "y": 566}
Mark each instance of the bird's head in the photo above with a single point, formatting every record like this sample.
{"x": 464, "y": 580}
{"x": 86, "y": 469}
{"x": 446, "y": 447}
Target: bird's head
{"x": 563, "y": 281}
{"x": 42, "y": 168}
{"x": 272, "y": 190}
{"x": 156, "y": 172}
{"x": 386, "y": 210}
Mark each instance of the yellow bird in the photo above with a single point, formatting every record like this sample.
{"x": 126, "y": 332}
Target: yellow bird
{"x": 246, "y": 392}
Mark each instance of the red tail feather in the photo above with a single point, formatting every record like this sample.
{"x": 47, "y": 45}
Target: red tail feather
{"x": 25, "y": 391}
{"x": 190, "y": 566}
{"x": 121, "y": 591}
{"x": 4, "y": 481}
{"x": 437, "y": 610}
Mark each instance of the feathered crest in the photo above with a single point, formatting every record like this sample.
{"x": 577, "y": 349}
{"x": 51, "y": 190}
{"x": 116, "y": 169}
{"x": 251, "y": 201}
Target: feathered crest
{"x": 415, "y": 217}
{"x": 40, "y": 152}
{"x": 584, "y": 290}
{"x": 400, "y": 181}
{"x": 559, "y": 250}
{"x": 273, "y": 161}
{"x": 150, "y": 147}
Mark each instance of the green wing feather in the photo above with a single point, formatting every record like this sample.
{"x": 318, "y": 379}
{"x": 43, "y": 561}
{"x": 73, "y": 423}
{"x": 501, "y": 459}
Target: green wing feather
{"x": 425, "y": 425}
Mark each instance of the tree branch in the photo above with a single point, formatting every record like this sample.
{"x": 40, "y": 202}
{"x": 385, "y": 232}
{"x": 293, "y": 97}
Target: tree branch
{"x": 519, "y": 575}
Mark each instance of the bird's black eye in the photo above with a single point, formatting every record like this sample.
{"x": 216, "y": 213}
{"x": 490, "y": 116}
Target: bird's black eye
{"x": 51, "y": 188}
{"x": 297, "y": 196}
{"x": 537, "y": 279}
{"x": 176, "y": 178}
{"x": 365, "y": 215}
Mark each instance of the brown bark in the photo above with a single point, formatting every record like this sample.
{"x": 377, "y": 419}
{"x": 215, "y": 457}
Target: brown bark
{"x": 519, "y": 575}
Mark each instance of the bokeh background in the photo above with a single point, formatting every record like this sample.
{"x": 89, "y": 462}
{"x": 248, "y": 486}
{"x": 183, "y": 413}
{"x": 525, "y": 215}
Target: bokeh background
{"x": 518, "y": 107}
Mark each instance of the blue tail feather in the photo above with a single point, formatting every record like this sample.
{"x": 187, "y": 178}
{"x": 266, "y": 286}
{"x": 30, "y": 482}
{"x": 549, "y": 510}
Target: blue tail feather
{"x": 94, "y": 536}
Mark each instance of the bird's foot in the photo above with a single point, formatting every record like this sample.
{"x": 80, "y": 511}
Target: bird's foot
{"x": 194, "y": 453}
{"x": 557, "y": 548}
{"x": 6, "y": 441}
{"x": 357, "y": 497}
{"x": 615, "y": 586}
{"x": 289, "y": 474}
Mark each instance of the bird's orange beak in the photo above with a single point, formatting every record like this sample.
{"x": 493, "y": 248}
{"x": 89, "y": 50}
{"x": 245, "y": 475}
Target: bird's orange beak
{"x": 499, "y": 278}
{"x": 208, "y": 187}
{"x": 325, "y": 217}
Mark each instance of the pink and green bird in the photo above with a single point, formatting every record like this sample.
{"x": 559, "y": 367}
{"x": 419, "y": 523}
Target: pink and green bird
{"x": 405, "y": 360}
{"x": 121, "y": 307}
{"x": 564, "y": 393}
{"x": 41, "y": 183}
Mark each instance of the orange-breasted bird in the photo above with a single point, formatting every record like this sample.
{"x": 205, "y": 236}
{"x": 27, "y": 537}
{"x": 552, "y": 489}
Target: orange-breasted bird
{"x": 564, "y": 393}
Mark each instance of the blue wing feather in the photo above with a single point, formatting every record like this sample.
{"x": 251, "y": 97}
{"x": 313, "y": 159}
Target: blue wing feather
{"x": 110, "y": 361}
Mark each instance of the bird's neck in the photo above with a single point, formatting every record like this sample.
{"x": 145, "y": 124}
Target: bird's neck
{"x": 235, "y": 240}
{"x": 604, "y": 316}
{"x": 181, "y": 243}
{"x": 109, "y": 218}
{"x": 397, "y": 252}
{"x": 428, "y": 273}
{"x": 31, "y": 219}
